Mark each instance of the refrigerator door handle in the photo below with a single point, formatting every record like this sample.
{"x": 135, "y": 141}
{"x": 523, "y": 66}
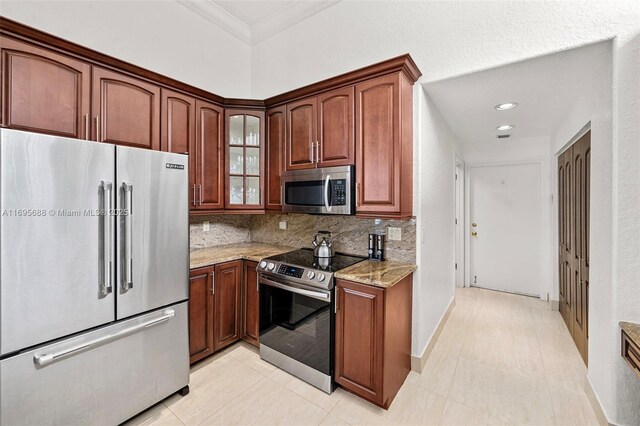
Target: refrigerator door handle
{"x": 106, "y": 245}
{"x": 46, "y": 359}
{"x": 126, "y": 280}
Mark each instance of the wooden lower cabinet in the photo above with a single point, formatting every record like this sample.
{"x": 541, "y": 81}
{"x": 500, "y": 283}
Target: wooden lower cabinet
{"x": 250, "y": 303}
{"x": 200, "y": 313}
{"x": 226, "y": 327}
{"x": 373, "y": 339}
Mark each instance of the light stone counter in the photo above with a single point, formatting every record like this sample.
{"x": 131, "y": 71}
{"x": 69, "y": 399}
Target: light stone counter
{"x": 226, "y": 253}
{"x": 632, "y": 330}
{"x": 380, "y": 274}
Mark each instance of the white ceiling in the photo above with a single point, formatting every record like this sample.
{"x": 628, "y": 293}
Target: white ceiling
{"x": 254, "y": 21}
{"x": 545, "y": 89}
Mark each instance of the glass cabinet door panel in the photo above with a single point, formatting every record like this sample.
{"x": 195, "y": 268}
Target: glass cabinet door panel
{"x": 236, "y": 161}
{"x": 236, "y": 189}
{"x": 253, "y": 190}
{"x": 252, "y": 134}
{"x": 253, "y": 161}
{"x": 236, "y": 127}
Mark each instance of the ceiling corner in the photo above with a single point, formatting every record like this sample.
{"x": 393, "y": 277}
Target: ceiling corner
{"x": 220, "y": 17}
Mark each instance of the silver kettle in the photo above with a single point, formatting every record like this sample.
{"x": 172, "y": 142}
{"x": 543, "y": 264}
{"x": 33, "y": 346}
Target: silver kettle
{"x": 322, "y": 244}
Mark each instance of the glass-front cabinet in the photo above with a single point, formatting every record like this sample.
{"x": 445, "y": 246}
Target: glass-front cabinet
{"x": 244, "y": 160}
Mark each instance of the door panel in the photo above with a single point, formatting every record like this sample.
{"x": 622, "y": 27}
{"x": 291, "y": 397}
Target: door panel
{"x": 377, "y": 145}
{"x": 153, "y": 239}
{"x": 44, "y": 92}
{"x": 200, "y": 313}
{"x": 335, "y": 128}
{"x": 179, "y": 131}
{"x": 301, "y": 134}
{"x": 126, "y": 110}
{"x": 209, "y": 156}
{"x": 227, "y": 303}
{"x": 506, "y": 205}
{"x": 275, "y": 156}
{"x": 359, "y": 334}
{"x": 250, "y": 303}
{"x": 51, "y": 276}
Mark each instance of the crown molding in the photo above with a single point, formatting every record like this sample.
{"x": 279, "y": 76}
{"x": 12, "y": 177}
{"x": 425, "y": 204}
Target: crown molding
{"x": 220, "y": 17}
{"x": 286, "y": 17}
{"x": 281, "y": 19}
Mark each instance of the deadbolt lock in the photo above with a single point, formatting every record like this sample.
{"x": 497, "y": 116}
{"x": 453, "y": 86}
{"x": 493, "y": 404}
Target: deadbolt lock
{"x": 474, "y": 224}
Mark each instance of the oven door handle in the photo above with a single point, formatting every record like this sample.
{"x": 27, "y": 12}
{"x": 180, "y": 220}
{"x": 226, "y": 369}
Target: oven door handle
{"x": 315, "y": 294}
{"x": 327, "y": 181}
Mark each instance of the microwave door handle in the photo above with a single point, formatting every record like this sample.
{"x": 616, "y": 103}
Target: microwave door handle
{"x": 327, "y": 182}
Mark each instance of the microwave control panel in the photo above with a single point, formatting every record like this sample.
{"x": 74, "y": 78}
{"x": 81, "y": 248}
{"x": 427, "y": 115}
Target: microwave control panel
{"x": 339, "y": 192}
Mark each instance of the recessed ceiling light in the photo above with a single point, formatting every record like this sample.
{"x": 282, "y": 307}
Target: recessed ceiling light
{"x": 505, "y": 106}
{"x": 505, "y": 127}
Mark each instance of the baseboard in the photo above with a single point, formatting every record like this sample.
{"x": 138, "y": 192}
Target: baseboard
{"x": 418, "y": 362}
{"x": 554, "y": 304}
{"x": 595, "y": 403}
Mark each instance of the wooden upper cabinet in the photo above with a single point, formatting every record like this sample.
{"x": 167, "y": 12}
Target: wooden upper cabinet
{"x": 226, "y": 329}
{"x": 335, "y": 128}
{"x": 250, "y": 303}
{"x": 301, "y": 137}
{"x": 245, "y": 146}
{"x": 178, "y": 121}
{"x": 209, "y": 189}
{"x": 384, "y": 147}
{"x": 126, "y": 110}
{"x": 200, "y": 313}
{"x": 43, "y": 91}
{"x": 276, "y": 122}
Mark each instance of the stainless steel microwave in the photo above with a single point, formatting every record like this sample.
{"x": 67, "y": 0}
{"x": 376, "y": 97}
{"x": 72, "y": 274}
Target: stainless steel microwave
{"x": 328, "y": 190}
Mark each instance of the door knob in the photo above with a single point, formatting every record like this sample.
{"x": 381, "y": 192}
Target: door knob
{"x": 474, "y": 233}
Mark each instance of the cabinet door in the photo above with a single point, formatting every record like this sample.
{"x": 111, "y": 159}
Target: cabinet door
{"x": 359, "y": 339}
{"x": 244, "y": 160}
{"x": 335, "y": 128}
{"x": 44, "y": 92}
{"x": 275, "y": 156}
{"x": 250, "y": 303}
{"x": 378, "y": 145}
{"x": 301, "y": 134}
{"x": 209, "y": 156}
{"x": 179, "y": 131}
{"x": 226, "y": 328}
{"x": 126, "y": 110}
{"x": 200, "y": 313}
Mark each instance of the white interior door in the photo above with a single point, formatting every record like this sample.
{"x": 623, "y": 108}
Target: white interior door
{"x": 506, "y": 228}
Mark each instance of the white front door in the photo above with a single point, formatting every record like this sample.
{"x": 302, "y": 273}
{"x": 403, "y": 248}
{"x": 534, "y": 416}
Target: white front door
{"x": 506, "y": 228}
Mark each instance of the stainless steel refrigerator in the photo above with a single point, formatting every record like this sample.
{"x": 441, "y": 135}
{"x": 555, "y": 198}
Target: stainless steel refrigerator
{"x": 94, "y": 277}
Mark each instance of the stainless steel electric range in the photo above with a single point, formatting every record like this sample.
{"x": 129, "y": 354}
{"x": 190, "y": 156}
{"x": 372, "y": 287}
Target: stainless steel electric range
{"x": 297, "y": 313}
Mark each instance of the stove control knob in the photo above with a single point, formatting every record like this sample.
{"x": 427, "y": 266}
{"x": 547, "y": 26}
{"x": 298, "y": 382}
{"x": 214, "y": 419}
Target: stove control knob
{"x": 263, "y": 264}
{"x": 270, "y": 266}
{"x": 320, "y": 277}
{"x": 311, "y": 275}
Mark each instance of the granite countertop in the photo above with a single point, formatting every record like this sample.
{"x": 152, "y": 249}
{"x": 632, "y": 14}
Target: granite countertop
{"x": 632, "y": 330}
{"x": 380, "y": 274}
{"x": 226, "y": 253}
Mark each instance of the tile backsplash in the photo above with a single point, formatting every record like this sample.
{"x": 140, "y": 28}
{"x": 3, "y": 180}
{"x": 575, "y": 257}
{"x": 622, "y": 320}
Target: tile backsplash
{"x": 350, "y": 234}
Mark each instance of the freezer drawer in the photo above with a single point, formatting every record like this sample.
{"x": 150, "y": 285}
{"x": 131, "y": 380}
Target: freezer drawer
{"x": 130, "y": 366}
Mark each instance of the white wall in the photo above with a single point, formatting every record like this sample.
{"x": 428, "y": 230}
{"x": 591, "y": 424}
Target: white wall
{"x": 434, "y": 280}
{"x": 514, "y": 151}
{"x": 162, "y": 36}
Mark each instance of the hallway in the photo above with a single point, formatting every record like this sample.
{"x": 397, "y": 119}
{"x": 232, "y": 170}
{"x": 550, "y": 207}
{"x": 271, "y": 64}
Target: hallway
{"x": 501, "y": 359}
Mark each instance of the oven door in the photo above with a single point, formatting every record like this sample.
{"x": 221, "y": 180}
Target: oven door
{"x": 322, "y": 191}
{"x": 297, "y": 322}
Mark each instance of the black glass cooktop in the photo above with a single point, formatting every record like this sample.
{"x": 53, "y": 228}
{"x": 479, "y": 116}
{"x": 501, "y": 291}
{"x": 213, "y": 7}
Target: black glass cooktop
{"x": 305, "y": 258}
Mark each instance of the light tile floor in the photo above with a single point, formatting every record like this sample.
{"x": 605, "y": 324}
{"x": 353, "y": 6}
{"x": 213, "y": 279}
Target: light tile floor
{"x": 501, "y": 359}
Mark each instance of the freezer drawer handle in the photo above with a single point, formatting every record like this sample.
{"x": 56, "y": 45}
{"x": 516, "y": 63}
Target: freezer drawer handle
{"x": 105, "y": 286}
{"x": 46, "y": 359}
{"x": 126, "y": 279}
